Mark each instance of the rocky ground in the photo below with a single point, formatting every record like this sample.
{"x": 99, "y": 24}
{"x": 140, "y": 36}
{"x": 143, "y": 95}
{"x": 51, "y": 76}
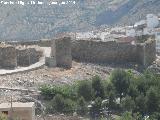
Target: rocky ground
{"x": 23, "y": 87}
{"x": 32, "y": 80}
{"x": 59, "y": 117}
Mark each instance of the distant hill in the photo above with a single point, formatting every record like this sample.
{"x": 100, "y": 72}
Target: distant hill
{"x": 30, "y": 22}
{"x": 112, "y": 16}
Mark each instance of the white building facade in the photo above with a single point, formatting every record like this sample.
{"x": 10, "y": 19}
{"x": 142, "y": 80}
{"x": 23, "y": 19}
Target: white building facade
{"x": 152, "y": 21}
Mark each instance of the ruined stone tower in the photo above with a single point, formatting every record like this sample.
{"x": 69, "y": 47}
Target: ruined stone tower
{"x": 61, "y": 51}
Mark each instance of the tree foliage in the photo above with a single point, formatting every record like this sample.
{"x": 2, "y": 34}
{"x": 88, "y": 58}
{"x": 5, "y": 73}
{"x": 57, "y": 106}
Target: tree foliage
{"x": 126, "y": 116}
{"x": 139, "y": 96}
{"x": 121, "y": 80}
{"x": 98, "y": 87}
{"x": 152, "y": 100}
{"x": 128, "y": 104}
{"x": 85, "y": 90}
{"x": 96, "y": 108}
{"x": 81, "y": 106}
{"x": 3, "y": 117}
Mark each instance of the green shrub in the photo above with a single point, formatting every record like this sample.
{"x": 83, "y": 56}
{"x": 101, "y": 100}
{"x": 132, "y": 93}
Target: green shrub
{"x": 140, "y": 102}
{"x": 121, "y": 81}
{"x": 128, "y": 104}
{"x": 155, "y": 116}
{"x": 82, "y": 107}
{"x": 98, "y": 87}
{"x": 65, "y": 90}
{"x": 48, "y": 91}
{"x": 60, "y": 105}
{"x": 68, "y": 91}
{"x": 69, "y": 106}
{"x": 111, "y": 100}
{"x": 139, "y": 94}
{"x": 85, "y": 90}
{"x": 126, "y": 116}
{"x": 96, "y": 107}
{"x": 133, "y": 91}
{"x": 3, "y": 117}
{"x": 56, "y": 104}
{"x": 152, "y": 100}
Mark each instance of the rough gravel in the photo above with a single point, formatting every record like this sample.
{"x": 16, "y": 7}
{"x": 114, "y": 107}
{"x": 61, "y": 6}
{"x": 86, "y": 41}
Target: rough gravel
{"x": 32, "y": 80}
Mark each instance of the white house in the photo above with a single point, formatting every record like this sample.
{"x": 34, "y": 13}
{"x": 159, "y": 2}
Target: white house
{"x": 130, "y": 32}
{"x": 148, "y": 31}
{"x": 152, "y": 21}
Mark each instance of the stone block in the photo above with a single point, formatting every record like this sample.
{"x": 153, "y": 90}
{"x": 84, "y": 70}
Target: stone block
{"x": 50, "y": 62}
{"x": 28, "y": 56}
{"x": 61, "y": 50}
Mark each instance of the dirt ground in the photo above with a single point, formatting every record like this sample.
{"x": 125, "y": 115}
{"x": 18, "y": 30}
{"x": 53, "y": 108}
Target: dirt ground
{"x": 32, "y": 80}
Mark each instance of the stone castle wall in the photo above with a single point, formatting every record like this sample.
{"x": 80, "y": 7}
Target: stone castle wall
{"x": 61, "y": 51}
{"x": 150, "y": 52}
{"x": 22, "y": 57}
{"x": 8, "y": 59}
{"x": 42, "y": 43}
{"x": 28, "y": 56}
{"x": 99, "y": 51}
{"x": 114, "y": 52}
{"x": 11, "y": 56}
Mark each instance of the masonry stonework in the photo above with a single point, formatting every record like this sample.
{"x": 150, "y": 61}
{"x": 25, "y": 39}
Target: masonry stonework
{"x": 27, "y": 56}
{"x": 20, "y": 111}
{"x": 8, "y": 58}
{"x": 13, "y": 56}
{"x": 50, "y": 61}
{"x": 94, "y": 50}
{"x": 114, "y": 52}
{"x": 61, "y": 51}
{"x": 150, "y": 52}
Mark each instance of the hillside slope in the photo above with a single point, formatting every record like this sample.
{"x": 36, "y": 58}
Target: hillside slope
{"x": 30, "y": 22}
{"x": 140, "y": 10}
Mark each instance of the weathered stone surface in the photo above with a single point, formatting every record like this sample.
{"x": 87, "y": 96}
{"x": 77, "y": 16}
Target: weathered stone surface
{"x": 114, "y": 52}
{"x": 103, "y": 52}
{"x": 27, "y": 56}
{"x": 61, "y": 50}
{"x": 8, "y": 59}
{"x": 150, "y": 52}
{"x": 50, "y": 61}
{"x": 23, "y": 57}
